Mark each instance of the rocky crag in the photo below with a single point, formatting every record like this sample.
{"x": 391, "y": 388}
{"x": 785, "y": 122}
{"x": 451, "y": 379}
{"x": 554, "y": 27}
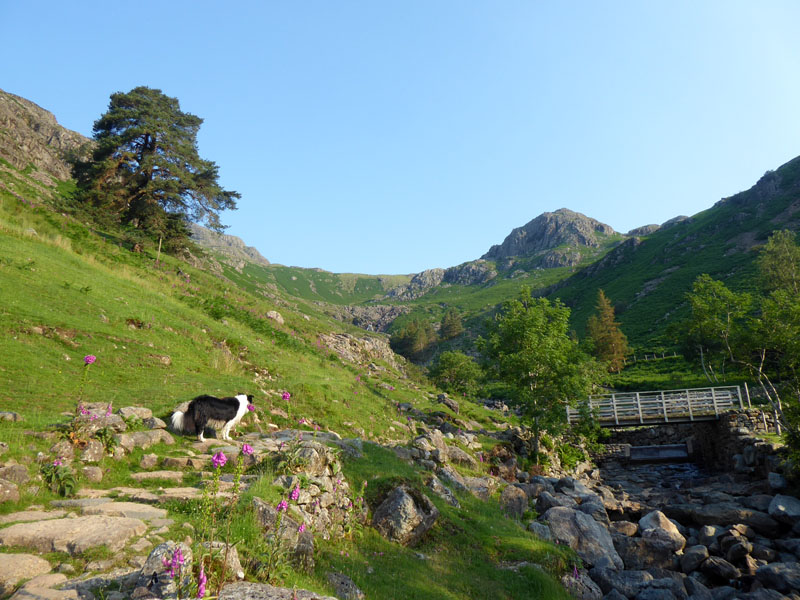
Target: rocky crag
{"x": 233, "y": 250}
{"x": 30, "y": 135}
{"x": 548, "y": 231}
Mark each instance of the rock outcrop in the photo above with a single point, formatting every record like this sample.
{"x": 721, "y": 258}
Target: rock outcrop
{"x": 235, "y": 252}
{"x": 405, "y": 516}
{"x": 359, "y": 350}
{"x": 373, "y": 317}
{"x": 470, "y": 273}
{"x": 549, "y": 230}
{"x": 31, "y": 135}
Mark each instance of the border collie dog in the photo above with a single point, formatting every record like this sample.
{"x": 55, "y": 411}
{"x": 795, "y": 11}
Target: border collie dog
{"x": 219, "y": 412}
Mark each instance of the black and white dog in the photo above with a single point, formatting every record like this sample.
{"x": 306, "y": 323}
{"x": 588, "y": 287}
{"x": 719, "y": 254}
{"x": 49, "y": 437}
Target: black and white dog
{"x": 219, "y": 412}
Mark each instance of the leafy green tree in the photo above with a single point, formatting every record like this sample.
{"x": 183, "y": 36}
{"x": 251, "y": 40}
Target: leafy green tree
{"x": 718, "y": 317}
{"x": 145, "y": 168}
{"x": 456, "y": 373}
{"x": 779, "y": 263}
{"x": 761, "y": 334}
{"x": 609, "y": 343}
{"x": 530, "y": 350}
{"x": 413, "y": 339}
{"x": 451, "y": 324}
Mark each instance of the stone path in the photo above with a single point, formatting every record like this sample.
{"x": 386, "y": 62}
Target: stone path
{"x": 73, "y": 535}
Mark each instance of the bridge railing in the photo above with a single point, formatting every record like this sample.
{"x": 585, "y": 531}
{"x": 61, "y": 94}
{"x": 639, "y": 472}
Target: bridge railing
{"x": 663, "y": 406}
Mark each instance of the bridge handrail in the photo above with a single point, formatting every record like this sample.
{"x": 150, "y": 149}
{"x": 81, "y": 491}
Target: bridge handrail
{"x": 659, "y": 406}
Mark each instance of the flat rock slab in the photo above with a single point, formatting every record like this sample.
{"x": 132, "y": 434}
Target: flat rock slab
{"x": 92, "y": 493}
{"x": 168, "y": 475}
{"x": 26, "y": 516}
{"x": 78, "y": 502}
{"x": 36, "y": 593}
{"x": 132, "y": 510}
{"x": 180, "y": 493}
{"x": 73, "y": 535}
{"x": 262, "y": 591}
{"x": 17, "y": 567}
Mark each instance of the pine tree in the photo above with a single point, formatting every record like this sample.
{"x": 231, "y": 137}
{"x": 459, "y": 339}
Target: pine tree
{"x": 145, "y": 168}
{"x": 610, "y": 344}
{"x": 451, "y": 324}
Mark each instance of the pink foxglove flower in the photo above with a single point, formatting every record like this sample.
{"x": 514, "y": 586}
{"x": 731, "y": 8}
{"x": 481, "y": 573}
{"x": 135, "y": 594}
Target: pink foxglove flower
{"x": 58, "y": 462}
{"x": 89, "y": 359}
{"x": 282, "y": 506}
{"x": 251, "y": 407}
{"x": 295, "y": 493}
{"x": 219, "y": 460}
{"x": 201, "y": 582}
{"x": 247, "y": 449}
{"x": 286, "y": 396}
{"x": 302, "y": 528}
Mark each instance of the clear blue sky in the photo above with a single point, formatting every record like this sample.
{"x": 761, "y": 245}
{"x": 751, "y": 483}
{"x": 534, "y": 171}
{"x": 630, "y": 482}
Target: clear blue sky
{"x": 399, "y": 135}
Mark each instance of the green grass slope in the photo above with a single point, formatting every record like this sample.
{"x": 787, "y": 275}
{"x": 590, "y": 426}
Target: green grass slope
{"x": 647, "y": 279}
{"x": 164, "y": 331}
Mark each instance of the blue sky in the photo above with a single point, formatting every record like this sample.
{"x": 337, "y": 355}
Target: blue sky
{"x": 395, "y": 136}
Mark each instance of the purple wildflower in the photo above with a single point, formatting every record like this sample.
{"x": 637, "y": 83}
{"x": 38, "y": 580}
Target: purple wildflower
{"x": 219, "y": 460}
{"x": 295, "y": 493}
{"x": 282, "y": 505}
{"x": 93, "y": 417}
{"x": 358, "y": 378}
{"x": 83, "y": 410}
{"x": 251, "y": 407}
{"x": 89, "y": 359}
{"x": 108, "y": 410}
{"x": 302, "y": 528}
{"x": 286, "y": 396}
{"x": 301, "y": 421}
{"x": 201, "y": 582}
{"x": 575, "y": 571}
{"x": 58, "y": 462}
{"x": 247, "y": 449}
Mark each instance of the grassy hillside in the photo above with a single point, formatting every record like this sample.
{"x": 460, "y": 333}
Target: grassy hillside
{"x": 648, "y": 281}
{"x": 164, "y": 331}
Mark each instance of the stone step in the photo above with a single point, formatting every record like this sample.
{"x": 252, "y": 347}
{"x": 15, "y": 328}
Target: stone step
{"x": 73, "y": 535}
{"x": 168, "y": 475}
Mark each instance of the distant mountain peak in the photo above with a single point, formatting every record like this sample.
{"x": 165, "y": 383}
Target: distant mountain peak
{"x": 550, "y": 230}
{"x": 230, "y": 246}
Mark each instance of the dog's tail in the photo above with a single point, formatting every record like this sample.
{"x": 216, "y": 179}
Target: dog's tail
{"x": 182, "y": 422}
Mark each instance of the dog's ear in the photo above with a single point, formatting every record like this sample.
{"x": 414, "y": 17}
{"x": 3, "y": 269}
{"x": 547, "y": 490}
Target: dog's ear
{"x": 249, "y": 397}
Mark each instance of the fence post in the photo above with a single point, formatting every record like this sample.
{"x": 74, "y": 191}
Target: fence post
{"x": 747, "y": 395}
{"x": 664, "y": 407}
{"x": 614, "y": 406}
{"x": 714, "y": 400}
{"x": 739, "y": 393}
{"x": 568, "y": 418}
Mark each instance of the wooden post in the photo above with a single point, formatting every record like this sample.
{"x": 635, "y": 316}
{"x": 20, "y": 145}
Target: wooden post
{"x": 664, "y": 407}
{"x": 614, "y": 406}
{"x": 777, "y": 422}
{"x": 764, "y": 420}
{"x": 739, "y": 393}
{"x": 158, "y": 256}
{"x": 689, "y": 404}
{"x": 639, "y": 406}
{"x": 747, "y": 395}
{"x": 568, "y": 419}
{"x": 714, "y": 400}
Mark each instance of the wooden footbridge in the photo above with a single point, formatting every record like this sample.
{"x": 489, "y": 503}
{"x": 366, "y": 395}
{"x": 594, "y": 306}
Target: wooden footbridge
{"x": 630, "y": 409}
